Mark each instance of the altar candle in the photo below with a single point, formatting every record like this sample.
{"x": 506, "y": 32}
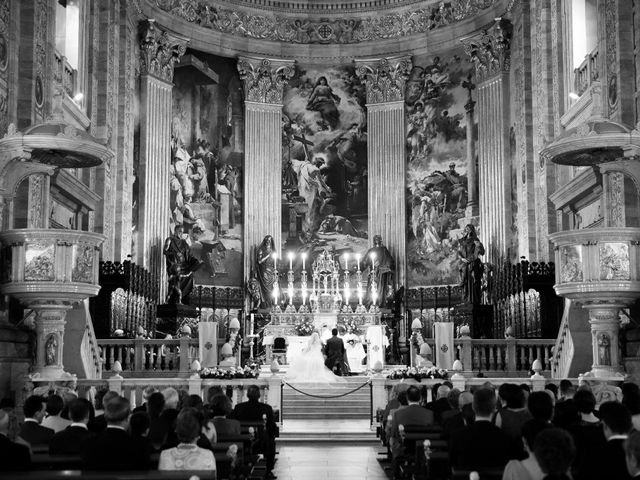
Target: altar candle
{"x": 304, "y": 258}
{"x": 275, "y": 260}
{"x": 358, "y": 260}
{"x": 346, "y": 261}
{"x": 360, "y": 295}
{"x": 252, "y": 321}
{"x": 290, "y": 260}
{"x": 374, "y": 295}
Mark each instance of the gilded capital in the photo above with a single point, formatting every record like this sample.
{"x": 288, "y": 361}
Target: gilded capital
{"x": 491, "y": 50}
{"x": 264, "y": 79}
{"x": 159, "y": 51}
{"x": 384, "y": 78}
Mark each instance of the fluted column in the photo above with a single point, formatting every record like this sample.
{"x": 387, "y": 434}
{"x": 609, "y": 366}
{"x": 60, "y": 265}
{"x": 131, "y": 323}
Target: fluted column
{"x": 159, "y": 52}
{"x": 386, "y": 165}
{"x": 472, "y": 168}
{"x": 491, "y": 55}
{"x": 264, "y": 81}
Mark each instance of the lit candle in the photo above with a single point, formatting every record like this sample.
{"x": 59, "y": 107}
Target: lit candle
{"x": 374, "y": 295}
{"x": 304, "y": 258}
{"x": 346, "y": 261}
{"x": 358, "y": 260}
{"x": 346, "y": 295}
{"x": 275, "y": 260}
{"x": 252, "y": 322}
{"x": 360, "y": 295}
{"x": 290, "y": 260}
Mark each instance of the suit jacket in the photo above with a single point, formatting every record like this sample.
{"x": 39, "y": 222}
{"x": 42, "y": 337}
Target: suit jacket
{"x": 480, "y": 445}
{"x": 334, "y": 348}
{"x": 36, "y": 434}
{"x": 590, "y": 442}
{"x": 413, "y": 415}
{"x": 611, "y": 461}
{"x": 13, "y": 456}
{"x": 252, "y": 412}
{"x": 457, "y": 422}
{"x": 114, "y": 449}
{"x": 565, "y": 413}
{"x": 439, "y": 407}
{"x": 70, "y": 441}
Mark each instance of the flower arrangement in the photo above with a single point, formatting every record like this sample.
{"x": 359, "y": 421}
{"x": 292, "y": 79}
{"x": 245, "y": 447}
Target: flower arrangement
{"x": 230, "y": 373}
{"x": 305, "y": 327}
{"x": 418, "y": 373}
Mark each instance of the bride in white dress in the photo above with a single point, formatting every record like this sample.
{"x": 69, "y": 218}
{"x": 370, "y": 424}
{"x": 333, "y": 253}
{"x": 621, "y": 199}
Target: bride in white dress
{"x": 308, "y": 366}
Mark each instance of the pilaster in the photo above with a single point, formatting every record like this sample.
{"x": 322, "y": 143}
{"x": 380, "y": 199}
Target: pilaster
{"x": 264, "y": 81}
{"x": 159, "y": 52}
{"x": 385, "y": 80}
{"x": 490, "y": 53}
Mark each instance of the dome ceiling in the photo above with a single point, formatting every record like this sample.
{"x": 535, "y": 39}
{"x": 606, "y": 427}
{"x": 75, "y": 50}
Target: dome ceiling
{"x": 305, "y": 28}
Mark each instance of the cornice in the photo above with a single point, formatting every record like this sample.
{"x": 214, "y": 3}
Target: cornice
{"x": 401, "y": 18}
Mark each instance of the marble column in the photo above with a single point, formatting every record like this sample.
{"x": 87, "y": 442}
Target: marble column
{"x": 472, "y": 168}
{"x": 159, "y": 52}
{"x": 264, "y": 81}
{"x": 490, "y": 52}
{"x": 386, "y": 164}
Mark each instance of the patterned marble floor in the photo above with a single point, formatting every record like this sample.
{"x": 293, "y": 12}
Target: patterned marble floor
{"x": 328, "y": 462}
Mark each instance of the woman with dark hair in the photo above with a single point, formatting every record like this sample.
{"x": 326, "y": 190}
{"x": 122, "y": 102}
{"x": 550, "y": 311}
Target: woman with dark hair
{"x": 220, "y": 406}
{"x": 554, "y": 450}
{"x": 529, "y": 468}
{"x": 323, "y": 101}
{"x": 588, "y": 436}
{"x": 187, "y": 455}
{"x": 514, "y": 414}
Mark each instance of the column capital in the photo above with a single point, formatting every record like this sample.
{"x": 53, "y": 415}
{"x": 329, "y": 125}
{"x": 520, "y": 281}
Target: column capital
{"x": 264, "y": 79}
{"x": 159, "y": 51}
{"x": 491, "y": 50}
{"x": 384, "y": 78}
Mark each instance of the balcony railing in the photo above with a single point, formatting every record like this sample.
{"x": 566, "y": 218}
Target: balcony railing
{"x": 586, "y": 73}
{"x": 67, "y": 74}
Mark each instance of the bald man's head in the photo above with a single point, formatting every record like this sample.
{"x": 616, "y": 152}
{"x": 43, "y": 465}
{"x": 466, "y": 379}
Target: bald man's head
{"x": 465, "y": 398}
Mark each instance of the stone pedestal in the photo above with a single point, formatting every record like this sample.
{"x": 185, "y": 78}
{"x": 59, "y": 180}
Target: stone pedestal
{"x": 172, "y": 317}
{"x": 50, "y": 324}
{"x": 605, "y": 326}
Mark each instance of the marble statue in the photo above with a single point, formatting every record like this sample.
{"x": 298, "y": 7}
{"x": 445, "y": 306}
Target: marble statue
{"x": 471, "y": 268}
{"x": 604, "y": 350}
{"x": 181, "y": 265}
{"x": 266, "y": 269}
{"x": 50, "y": 350}
{"x": 382, "y": 268}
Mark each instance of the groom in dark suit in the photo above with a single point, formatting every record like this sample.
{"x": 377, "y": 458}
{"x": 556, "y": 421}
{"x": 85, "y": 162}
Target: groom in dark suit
{"x": 334, "y": 350}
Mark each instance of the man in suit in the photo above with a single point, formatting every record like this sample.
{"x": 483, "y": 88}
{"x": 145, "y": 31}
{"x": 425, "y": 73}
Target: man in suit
{"x": 335, "y": 352}
{"x": 616, "y": 424}
{"x": 480, "y": 444}
{"x": 463, "y": 417}
{"x": 441, "y": 404}
{"x": 13, "y": 456}
{"x": 413, "y": 415}
{"x": 73, "y": 439}
{"x": 255, "y": 411}
{"x": 114, "y": 449}
{"x": 566, "y": 412}
{"x": 32, "y": 431}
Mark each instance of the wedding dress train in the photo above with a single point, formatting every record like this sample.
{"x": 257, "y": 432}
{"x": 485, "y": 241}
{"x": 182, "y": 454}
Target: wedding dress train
{"x": 308, "y": 366}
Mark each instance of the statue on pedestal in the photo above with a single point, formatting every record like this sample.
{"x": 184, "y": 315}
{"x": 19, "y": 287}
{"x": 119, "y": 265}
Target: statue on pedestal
{"x": 381, "y": 270}
{"x": 181, "y": 265}
{"x": 471, "y": 268}
{"x": 266, "y": 269}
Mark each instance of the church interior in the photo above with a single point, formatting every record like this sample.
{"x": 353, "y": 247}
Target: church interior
{"x": 383, "y": 239}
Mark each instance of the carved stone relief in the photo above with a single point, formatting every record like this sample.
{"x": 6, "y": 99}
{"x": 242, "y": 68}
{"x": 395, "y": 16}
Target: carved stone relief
{"x": 159, "y": 52}
{"x": 40, "y": 52}
{"x": 263, "y": 79}
{"x": 305, "y": 30}
{"x": 36, "y": 200}
{"x": 385, "y": 79}
{"x": 491, "y": 52}
{"x": 616, "y": 199}
{"x": 611, "y": 27}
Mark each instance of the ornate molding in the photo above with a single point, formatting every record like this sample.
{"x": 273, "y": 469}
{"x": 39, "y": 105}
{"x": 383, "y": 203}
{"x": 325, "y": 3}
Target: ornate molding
{"x": 491, "y": 51}
{"x": 158, "y": 51}
{"x": 307, "y": 30}
{"x": 384, "y": 78}
{"x": 264, "y": 79}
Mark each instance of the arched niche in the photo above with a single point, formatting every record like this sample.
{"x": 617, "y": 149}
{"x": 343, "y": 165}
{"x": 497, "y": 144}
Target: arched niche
{"x": 20, "y": 205}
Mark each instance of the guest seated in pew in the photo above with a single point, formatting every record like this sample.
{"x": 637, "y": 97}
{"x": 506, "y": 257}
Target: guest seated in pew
{"x": 565, "y": 413}
{"x": 139, "y": 430}
{"x": 464, "y": 416}
{"x": 255, "y": 411}
{"x": 114, "y": 449}
{"x": 554, "y": 450}
{"x": 13, "y": 456}
{"x": 187, "y": 455}
{"x": 146, "y": 393}
{"x": 220, "y": 408}
{"x": 529, "y": 468}
{"x": 159, "y": 426}
{"x": 587, "y": 435}
{"x": 632, "y": 454}
{"x": 413, "y": 415}
{"x": 441, "y": 404}
{"x": 481, "y": 444}
{"x": 53, "y": 420}
{"x": 73, "y": 439}
{"x": 616, "y": 424}
{"x": 540, "y": 405}
{"x": 34, "y": 433}
{"x": 391, "y": 426}
{"x": 631, "y": 400}
{"x": 513, "y": 415}
{"x": 99, "y": 423}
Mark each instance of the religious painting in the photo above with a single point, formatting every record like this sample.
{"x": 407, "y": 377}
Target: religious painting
{"x": 614, "y": 261}
{"x": 324, "y": 164}
{"x": 571, "y": 264}
{"x": 207, "y": 151}
{"x": 437, "y": 191}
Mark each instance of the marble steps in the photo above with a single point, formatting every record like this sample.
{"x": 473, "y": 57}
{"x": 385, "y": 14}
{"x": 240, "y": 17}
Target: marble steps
{"x": 355, "y": 405}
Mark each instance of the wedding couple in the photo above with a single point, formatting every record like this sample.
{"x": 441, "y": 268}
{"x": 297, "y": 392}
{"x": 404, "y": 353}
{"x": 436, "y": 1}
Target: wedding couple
{"x": 317, "y": 365}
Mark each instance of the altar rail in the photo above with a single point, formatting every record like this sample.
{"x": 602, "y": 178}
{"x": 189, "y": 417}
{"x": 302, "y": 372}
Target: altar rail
{"x": 497, "y": 357}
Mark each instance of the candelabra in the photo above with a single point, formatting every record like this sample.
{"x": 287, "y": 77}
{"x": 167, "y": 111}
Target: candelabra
{"x": 303, "y": 287}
